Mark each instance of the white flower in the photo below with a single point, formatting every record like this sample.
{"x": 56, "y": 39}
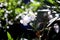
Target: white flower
{"x": 5, "y": 15}
{"x": 6, "y": 20}
{"x": 32, "y": 0}
{"x": 32, "y": 16}
{"x": 7, "y": 27}
{"x": 54, "y": 7}
{"x": 21, "y": 21}
{"x": 56, "y": 27}
{"x": 49, "y": 12}
{"x": 8, "y": 11}
{"x": 27, "y": 17}
{"x": 25, "y": 20}
{"x": 31, "y": 24}
{"x": 30, "y": 12}
{"x": 1, "y": 4}
{"x": 35, "y": 13}
{"x": 11, "y": 23}
{"x": 18, "y": 16}
{"x": 23, "y": 38}
{"x": 19, "y": 1}
{"x": 22, "y": 16}
{"x": 22, "y": 7}
{"x": 57, "y": 15}
{"x": 5, "y": 4}
{"x": 50, "y": 16}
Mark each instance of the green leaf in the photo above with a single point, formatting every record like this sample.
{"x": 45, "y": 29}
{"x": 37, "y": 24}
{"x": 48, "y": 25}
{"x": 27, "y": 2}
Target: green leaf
{"x": 9, "y": 36}
{"x": 15, "y": 3}
{"x": 18, "y": 10}
{"x": 51, "y": 1}
{"x": 2, "y": 0}
{"x": 35, "y": 5}
{"x": 1, "y": 12}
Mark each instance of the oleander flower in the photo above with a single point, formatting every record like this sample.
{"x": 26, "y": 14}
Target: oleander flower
{"x": 25, "y": 20}
{"x": 28, "y": 17}
{"x": 1, "y": 4}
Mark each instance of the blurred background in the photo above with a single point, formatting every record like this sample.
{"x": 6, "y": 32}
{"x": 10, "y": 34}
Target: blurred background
{"x": 27, "y": 19}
